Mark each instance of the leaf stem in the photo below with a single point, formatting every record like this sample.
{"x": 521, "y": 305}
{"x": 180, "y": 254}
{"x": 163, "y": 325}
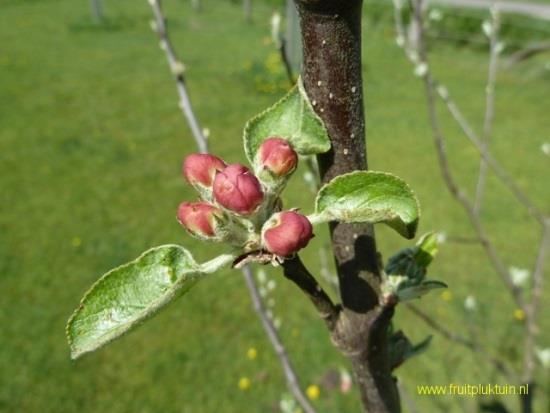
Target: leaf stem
{"x": 215, "y": 264}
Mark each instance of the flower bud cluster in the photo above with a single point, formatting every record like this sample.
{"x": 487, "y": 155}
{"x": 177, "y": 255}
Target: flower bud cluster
{"x": 242, "y": 208}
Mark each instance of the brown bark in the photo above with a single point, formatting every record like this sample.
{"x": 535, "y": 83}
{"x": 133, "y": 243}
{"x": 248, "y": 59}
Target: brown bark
{"x": 331, "y": 36}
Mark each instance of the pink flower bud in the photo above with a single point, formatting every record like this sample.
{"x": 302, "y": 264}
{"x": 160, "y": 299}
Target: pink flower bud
{"x": 200, "y": 168}
{"x": 237, "y": 189}
{"x": 286, "y": 232}
{"x": 199, "y": 218}
{"x": 277, "y": 156}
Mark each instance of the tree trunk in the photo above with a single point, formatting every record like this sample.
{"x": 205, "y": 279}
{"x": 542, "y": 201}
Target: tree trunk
{"x": 331, "y": 40}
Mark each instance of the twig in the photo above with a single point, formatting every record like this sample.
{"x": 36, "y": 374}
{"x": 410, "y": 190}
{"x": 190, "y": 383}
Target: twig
{"x": 286, "y": 62}
{"x": 247, "y": 9}
{"x": 97, "y": 11}
{"x": 280, "y": 43}
{"x": 202, "y": 144}
{"x": 532, "y": 307}
{"x": 458, "y": 339}
{"x": 456, "y": 191}
{"x": 529, "y": 307}
{"x": 196, "y": 4}
{"x": 291, "y": 378}
{"x": 528, "y": 52}
{"x": 296, "y": 272}
{"x": 500, "y": 172}
{"x": 177, "y": 68}
{"x": 415, "y": 57}
{"x": 494, "y": 52}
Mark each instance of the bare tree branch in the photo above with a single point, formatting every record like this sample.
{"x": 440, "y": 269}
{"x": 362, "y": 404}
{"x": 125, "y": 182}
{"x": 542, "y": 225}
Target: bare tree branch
{"x": 281, "y": 44}
{"x": 456, "y": 191}
{"x": 500, "y": 172}
{"x": 247, "y": 9}
{"x": 528, "y": 52}
{"x": 295, "y": 271}
{"x": 463, "y": 341}
{"x": 494, "y": 52}
{"x": 531, "y": 308}
{"x": 177, "y": 69}
{"x": 419, "y": 57}
{"x": 292, "y": 380}
{"x": 97, "y": 11}
{"x": 414, "y": 55}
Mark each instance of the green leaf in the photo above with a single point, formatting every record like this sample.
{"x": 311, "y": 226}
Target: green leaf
{"x": 401, "y": 349}
{"x": 367, "y": 196}
{"x": 418, "y": 348}
{"x": 129, "y": 294}
{"x": 409, "y": 292}
{"x": 412, "y": 262}
{"x": 291, "y": 118}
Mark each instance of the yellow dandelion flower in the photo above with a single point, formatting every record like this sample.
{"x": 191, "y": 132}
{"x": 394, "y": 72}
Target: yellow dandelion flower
{"x": 244, "y": 383}
{"x": 76, "y": 242}
{"x": 519, "y": 314}
{"x": 446, "y": 295}
{"x": 295, "y": 332}
{"x": 252, "y": 353}
{"x": 313, "y": 391}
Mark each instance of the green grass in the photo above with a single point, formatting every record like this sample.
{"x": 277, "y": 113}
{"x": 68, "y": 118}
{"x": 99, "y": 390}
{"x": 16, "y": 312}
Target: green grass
{"x": 91, "y": 142}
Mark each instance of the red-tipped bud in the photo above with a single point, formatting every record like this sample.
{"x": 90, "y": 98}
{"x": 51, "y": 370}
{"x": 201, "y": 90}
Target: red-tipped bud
{"x": 286, "y": 232}
{"x": 277, "y": 156}
{"x": 199, "y": 218}
{"x": 237, "y": 189}
{"x": 200, "y": 168}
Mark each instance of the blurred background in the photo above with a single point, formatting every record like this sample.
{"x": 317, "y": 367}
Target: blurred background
{"x": 91, "y": 144}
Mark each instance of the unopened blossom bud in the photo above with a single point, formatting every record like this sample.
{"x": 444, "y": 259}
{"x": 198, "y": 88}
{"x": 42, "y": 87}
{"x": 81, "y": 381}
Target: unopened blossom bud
{"x": 200, "y": 168}
{"x": 286, "y": 232}
{"x": 277, "y": 156}
{"x": 199, "y": 218}
{"x": 237, "y": 189}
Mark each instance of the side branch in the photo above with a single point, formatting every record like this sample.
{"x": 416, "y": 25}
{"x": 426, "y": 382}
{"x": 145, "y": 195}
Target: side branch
{"x": 454, "y": 189}
{"x": 463, "y": 341}
{"x": 531, "y": 308}
{"x": 291, "y": 378}
{"x": 489, "y": 105}
{"x": 295, "y": 270}
{"x": 177, "y": 68}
